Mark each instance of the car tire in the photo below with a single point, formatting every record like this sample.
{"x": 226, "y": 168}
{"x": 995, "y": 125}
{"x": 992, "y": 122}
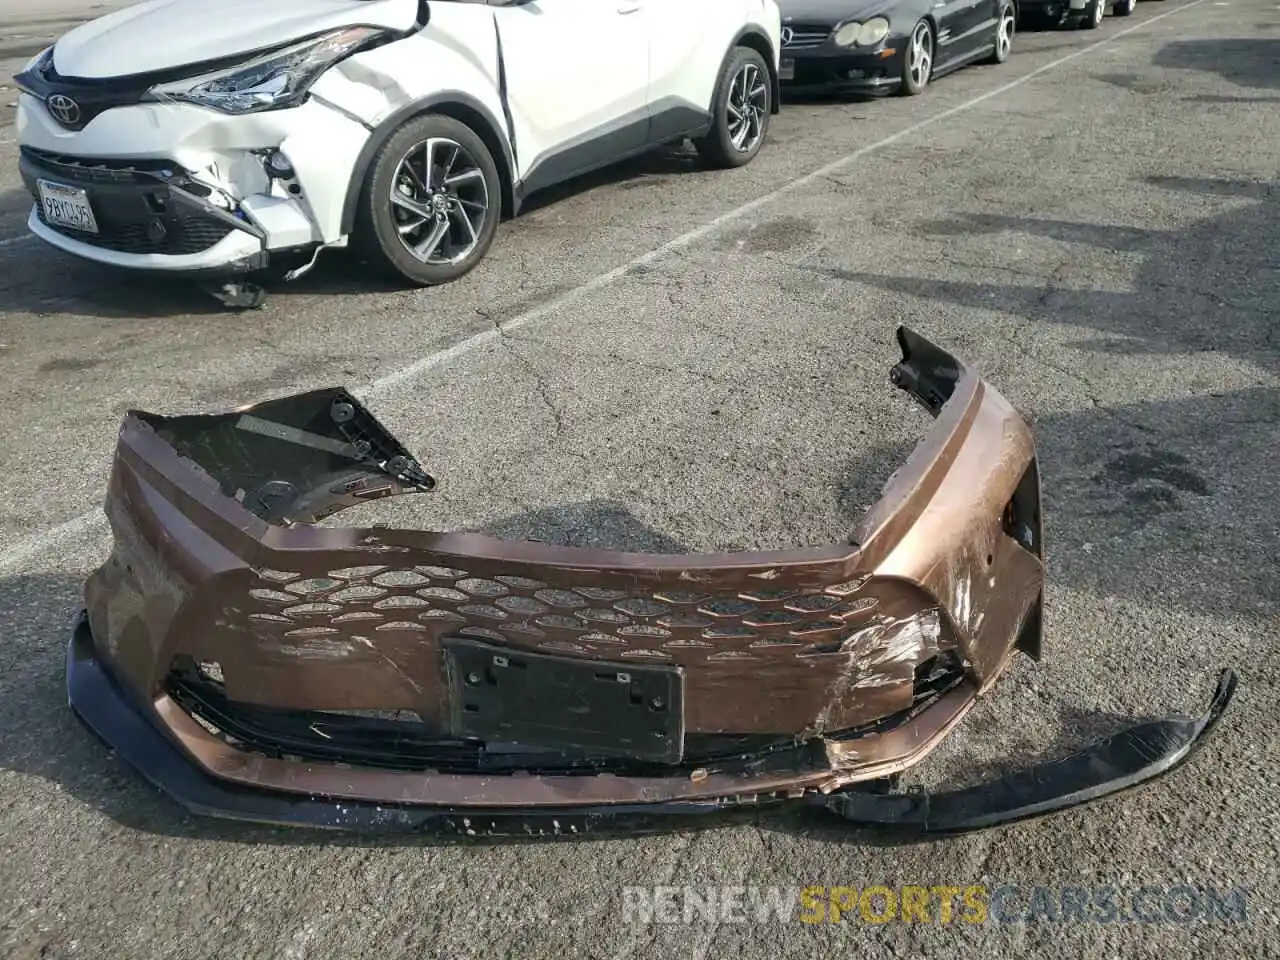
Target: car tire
{"x": 1094, "y": 15}
{"x": 917, "y": 63}
{"x": 1124, "y": 8}
{"x": 1006, "y": 26}
{"x": 740, "y": 111}
{"x": 429, "y": 227}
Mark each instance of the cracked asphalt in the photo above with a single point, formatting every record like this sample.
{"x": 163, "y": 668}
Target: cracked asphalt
{"x": 1102, "y": 240}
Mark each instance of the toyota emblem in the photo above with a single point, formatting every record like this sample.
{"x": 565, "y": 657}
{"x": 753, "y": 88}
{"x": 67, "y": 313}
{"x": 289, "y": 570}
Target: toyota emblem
{"x": 65, "y": 110}
{"x": 787, "y": 36}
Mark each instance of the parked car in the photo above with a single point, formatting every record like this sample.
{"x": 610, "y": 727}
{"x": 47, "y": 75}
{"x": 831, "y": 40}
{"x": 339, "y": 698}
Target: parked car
{"x": 889, "y": 46}
{"x": 1087, "y": 14}
{"x": 179, "y": 135}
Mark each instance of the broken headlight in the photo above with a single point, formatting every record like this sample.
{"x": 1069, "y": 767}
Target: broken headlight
{"x": 37, "y": 69}
{"x": 41, "y": 62}
{"x": 273, "y": 80}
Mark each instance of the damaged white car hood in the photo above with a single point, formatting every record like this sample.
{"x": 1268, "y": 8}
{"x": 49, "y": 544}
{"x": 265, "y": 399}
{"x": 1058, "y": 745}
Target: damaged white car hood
{"x": 164, "y": 34}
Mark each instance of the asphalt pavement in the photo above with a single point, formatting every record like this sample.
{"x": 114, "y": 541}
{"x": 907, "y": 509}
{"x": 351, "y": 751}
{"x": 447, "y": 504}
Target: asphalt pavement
{"x": 666, "y": 358}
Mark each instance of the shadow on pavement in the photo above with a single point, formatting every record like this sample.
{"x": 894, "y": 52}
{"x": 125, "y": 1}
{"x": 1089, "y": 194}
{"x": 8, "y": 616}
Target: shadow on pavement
{"x": 1252, "y": 62}
{"x": 1156, "y": 492}
{"x": 1212, "y": 287}
{"x": 599, "y": 524}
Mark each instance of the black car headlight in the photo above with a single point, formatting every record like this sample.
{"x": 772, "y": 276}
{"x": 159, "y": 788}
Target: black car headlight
{"x": 856, "y": 33}
{"x": 273, "y": 80}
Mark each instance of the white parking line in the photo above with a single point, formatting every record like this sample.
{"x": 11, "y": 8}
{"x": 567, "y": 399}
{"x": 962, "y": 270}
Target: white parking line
{"x": 28, "y": 547}
{"x": 11, "y": 241}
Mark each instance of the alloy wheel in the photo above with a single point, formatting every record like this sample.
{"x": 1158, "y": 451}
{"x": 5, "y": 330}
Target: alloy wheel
{"x": 439, "y": 201}
{"x": 1004, "y": 33}
{"x": 747, "y": 105}
{"x": 920, "y": 55}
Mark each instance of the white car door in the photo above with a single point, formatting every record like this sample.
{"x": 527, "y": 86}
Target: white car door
{"x": 577, "y": 80}
{"x": 689, "y": 41}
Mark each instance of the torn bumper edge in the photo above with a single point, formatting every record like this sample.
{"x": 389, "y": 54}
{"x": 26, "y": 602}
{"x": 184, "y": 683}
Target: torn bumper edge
{"x": 1126, "y": 759}
{"x": 1129, "y": 758}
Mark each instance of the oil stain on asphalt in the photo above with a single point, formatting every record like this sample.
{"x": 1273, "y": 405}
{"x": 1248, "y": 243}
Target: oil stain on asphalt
{"x": 68, "y": 365}
{"x": 1165, "y": 465}
{"x": 781, "y": 235}
{"x": 1149, "y": 485}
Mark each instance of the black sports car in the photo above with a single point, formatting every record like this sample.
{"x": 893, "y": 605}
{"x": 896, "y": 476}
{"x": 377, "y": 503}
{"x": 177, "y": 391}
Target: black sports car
{"x": 884, "y": 46}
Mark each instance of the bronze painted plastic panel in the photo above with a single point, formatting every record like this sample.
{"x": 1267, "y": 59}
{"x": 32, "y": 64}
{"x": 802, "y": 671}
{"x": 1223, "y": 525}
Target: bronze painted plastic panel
{"x": 802, "y": 643}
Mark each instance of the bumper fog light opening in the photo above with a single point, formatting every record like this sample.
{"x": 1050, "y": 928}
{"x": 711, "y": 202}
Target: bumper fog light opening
{"x": 278, "y": 166}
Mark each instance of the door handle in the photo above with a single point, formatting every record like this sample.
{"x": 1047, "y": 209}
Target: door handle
{"x": 625, "y": 8}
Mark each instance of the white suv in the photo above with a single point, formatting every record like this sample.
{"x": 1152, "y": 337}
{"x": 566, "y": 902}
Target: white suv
{"x": 220, "y": 137}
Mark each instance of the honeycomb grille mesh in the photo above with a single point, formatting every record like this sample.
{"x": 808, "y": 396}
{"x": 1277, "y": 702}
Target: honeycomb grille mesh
{"x": 662, "y": 625}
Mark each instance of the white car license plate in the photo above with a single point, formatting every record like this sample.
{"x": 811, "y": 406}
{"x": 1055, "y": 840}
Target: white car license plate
{"x": 787, "y": 70}
{"x": 67, "y": 206}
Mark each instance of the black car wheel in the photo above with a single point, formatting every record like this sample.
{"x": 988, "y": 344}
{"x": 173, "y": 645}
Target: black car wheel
{"x": 1093, "y": 16}
{"x": 1124, "y": 8}
{"x": 917, "y": 63}
{"x": 432, "y": 201}
{"x": 740, "y": 111}
{"x": 1004, "y": 33}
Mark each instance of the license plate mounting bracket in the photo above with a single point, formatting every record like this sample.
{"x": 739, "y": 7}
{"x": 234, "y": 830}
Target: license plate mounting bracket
{"x": 580, "y": 707}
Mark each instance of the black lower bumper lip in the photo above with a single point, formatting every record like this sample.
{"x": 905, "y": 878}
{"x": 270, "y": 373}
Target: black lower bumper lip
{"x": 1133, "y": 756}
{"x": 868, "y": 73}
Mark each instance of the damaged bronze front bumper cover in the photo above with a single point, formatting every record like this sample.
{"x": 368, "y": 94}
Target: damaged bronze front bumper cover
{"x": 256, "y": 665}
